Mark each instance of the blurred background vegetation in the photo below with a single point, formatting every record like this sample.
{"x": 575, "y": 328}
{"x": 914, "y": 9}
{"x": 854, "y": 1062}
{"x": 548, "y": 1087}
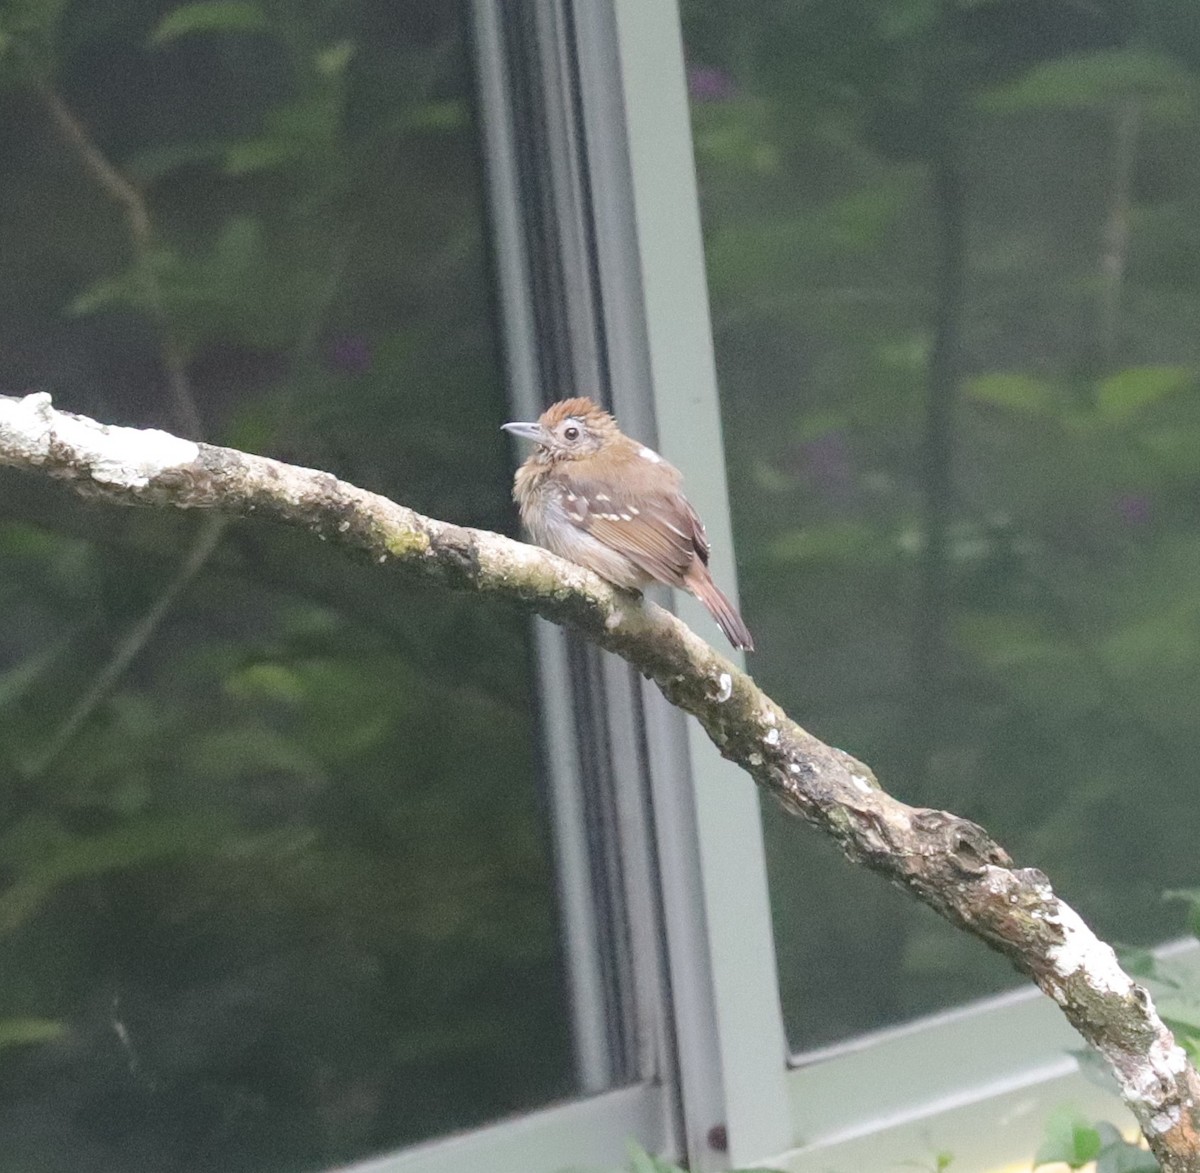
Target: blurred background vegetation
{"x": 278, "y": 894}
{"x": 252, "y": 915}
{"x": 954, "y": 260}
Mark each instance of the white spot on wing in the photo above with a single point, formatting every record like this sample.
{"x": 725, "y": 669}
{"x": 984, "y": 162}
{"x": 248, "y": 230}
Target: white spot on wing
{"x": 650, "y": 455}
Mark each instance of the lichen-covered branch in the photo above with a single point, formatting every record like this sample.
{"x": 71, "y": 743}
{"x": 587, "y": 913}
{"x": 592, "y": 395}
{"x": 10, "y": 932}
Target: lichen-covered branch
{"x": 947, "y": 862}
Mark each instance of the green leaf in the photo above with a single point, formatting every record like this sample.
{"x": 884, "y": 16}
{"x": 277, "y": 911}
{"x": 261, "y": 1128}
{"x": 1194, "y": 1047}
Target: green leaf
{"x": 125, "y": 289}
{"x": 155, "y": 162}
{"x": 1119, "y": 1156}
{"x": 1013, "y": 390}
{"x": 333, "y": 60}
{"x": 836, "y": 542}
{"x": 1097, "y": 81}
{"x": 1127, "y": 392}
{"x": 1191, "y": 897}
{"x": 642, "y": 1162}
{"x": 261, "y": 154}
{"x": 21, "y": 1032}
{"x": 1182, "y": 1022}
{"x": 209, "y": 16}
{"x": 137, "y": 843}
{"x": 1070, "y": 1139}
{"x": 29, "y": 39}
{"x": 273, "y": 682}
{"x": 1191, "y": 1047}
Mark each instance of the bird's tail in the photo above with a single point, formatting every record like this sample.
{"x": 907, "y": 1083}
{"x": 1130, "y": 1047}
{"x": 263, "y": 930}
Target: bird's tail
{"x": 700, "y": 583}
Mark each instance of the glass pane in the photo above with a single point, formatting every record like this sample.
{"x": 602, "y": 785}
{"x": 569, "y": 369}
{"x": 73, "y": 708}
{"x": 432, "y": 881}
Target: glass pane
{"x": 277, "y": 894}
{"x": 952, "y": 257}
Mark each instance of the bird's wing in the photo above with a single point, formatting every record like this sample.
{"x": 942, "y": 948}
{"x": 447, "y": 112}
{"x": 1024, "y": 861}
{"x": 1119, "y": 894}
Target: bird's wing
{"x": 659, "y": 533}
{"x": 699, "y": 533}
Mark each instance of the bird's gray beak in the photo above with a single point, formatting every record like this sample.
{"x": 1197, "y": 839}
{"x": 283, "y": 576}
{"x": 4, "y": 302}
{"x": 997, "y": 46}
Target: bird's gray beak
{"x": 525, "y": 431}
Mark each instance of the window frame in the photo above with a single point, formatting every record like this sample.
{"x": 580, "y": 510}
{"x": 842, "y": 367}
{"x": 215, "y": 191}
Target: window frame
{"x": 622, "y": 304}
{"x": 641, "y": 297}
{"x": 604, "y": 312}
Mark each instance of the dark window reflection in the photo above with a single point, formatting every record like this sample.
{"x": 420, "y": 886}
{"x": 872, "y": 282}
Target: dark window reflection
{"x": 276, "y": 896}
{"x": 952, "y": 251}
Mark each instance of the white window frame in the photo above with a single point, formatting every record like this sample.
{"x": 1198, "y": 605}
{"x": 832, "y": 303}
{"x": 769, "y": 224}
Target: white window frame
{"x": 709, "y": 1078}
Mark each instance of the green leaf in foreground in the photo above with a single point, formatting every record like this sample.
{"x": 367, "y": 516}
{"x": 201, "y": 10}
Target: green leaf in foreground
{"x": 1070, "y": 1139}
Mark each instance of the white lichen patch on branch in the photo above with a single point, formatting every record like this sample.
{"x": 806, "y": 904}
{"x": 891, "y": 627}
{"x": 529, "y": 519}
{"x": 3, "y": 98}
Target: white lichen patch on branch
{"x": 120, "y": 457}
{"x": 1164, "y": 1061}
{"x": 725, "y": 687}
{"x": 1146, "y": 1079}
{"x": 1081, "y": 951}
{"x": 1149, "y": 1081}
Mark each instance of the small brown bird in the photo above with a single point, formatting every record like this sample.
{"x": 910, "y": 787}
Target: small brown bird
{"x": 591, "y": 494}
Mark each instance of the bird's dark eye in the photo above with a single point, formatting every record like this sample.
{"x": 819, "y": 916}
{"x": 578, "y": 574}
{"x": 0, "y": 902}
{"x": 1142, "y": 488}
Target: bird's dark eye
{"x": 571, "y": 433}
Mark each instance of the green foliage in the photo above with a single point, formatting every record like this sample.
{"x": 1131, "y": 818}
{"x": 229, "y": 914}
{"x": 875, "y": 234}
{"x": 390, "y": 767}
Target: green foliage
{"x": 1075, "y": 1141}
{"x": 22, "y": 1032}
{"x": 1159, "y": 85}
{"x": 283, "y": 900}
{"x": 209, "y": 16}
{"x": 1069, "y": 1139}
{"x": 641, "y": 1161}
{"x": 1135, "y": 389}
{"x": 29, "y": 33}
{"x": 1052, "y": 699}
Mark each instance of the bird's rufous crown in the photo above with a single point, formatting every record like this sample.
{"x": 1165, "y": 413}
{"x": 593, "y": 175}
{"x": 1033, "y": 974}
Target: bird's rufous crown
{"x": 583, "y": 409}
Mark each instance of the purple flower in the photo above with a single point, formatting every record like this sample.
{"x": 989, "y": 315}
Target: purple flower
{"x": 707, "y": 84}
{"x": 351, "y": 354}
{"x": 1134, "y": 508}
